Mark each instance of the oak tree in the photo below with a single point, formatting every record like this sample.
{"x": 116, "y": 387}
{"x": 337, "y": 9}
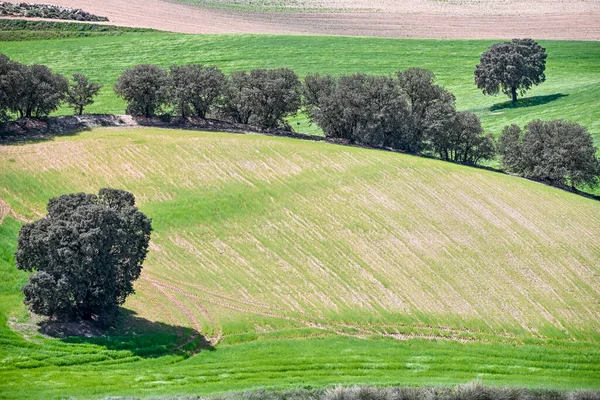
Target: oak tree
{"x": 84, "y": 255}
{"x": 511, "y": 67}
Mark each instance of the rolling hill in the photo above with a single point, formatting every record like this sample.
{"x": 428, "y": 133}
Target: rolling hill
{"x": 399, "y": 269}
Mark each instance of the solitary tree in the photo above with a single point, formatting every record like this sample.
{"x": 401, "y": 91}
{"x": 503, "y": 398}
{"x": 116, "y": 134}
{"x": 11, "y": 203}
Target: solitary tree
{"x": 511, "y": 67}
{"x": 84, "y": 255}
{"x": 195, "y": 88}
{"x": 558, "y": 152}
{"x": 145, "y": 88}
{"x": 81, "y": 93}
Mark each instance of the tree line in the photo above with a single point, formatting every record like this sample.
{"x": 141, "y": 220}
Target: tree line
{"x": 407, "y": 112}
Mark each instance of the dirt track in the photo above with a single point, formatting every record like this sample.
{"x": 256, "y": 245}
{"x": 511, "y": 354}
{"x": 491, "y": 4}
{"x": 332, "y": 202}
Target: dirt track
{"x": 540, "y": 19}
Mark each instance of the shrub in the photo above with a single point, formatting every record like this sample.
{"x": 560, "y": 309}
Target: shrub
{"x": 360, "y": 108}
{"x": 457, "y": 136}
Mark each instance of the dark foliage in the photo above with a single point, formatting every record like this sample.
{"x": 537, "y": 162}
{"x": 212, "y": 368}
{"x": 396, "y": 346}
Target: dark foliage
{"x": 81, "y": 93}
{"x": 559, "y": 152}
{"x": 146, "y": 89}
{"x": 422, "y": 94}
{"x": 195, "y": 88}
{"x": 409, "y": 113}
{"x": 360, "y": 108}
{"x": 457, "y": 136}
{"x": 262, "y": 97}
{"x": 511, "y": 67}
{"x": 30, "y": 90}
{"x": 84, "y": 255}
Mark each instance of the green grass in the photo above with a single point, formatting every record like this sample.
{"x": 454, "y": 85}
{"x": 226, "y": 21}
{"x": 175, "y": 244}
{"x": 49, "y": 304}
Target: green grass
{"x": 570, "y": 92}
{"x": 24, "y": 30}
{"x": 310, "y": 261}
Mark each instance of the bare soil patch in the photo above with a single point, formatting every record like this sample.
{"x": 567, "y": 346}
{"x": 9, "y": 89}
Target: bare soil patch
{"x": 460, "y": 19}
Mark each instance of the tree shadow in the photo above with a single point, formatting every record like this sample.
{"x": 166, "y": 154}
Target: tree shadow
{"x": 528, "y": 102}
{"x": 143, "y": 338}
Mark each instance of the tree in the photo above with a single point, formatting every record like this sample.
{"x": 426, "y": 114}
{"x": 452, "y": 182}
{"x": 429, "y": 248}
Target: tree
{"x": 422, "y": 94}
{"x": 457, "y": 136}
{"x": 236, "y": 104}
{"x": 361, "y": 108}
{"x": 5, "y": 67}
{"x": 510, "y": 148}
{"x": 558, "y": 152}
{"x": 146, "y": 89}
{"x": 262, "y": 97}
{"x": 30, "y": 91}
{"x": 81, "y": 93}
{"x": 195, "y": 88}
{"x": 512, "y": 67}
{"x": 84, "y": 255}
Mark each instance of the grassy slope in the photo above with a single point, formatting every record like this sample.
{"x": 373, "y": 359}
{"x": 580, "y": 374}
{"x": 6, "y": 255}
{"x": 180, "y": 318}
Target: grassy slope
{"x": 266, "y": 239}
{"x": 573, "y": 69}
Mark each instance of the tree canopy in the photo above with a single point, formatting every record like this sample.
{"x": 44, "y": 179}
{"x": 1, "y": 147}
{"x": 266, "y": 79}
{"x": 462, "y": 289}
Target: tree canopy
{"x": 557, "y": 151}
{"x": 195, "y": 88}
{"x": 146, "y": 89}
{"x": 408, "y": 112}
{"x": 263, "y": 97}
{"x": 511, "y": 67}
{"x": 84, "y": 255}
{"x": 81, "y": 92}
{"x": 30, "y": 90}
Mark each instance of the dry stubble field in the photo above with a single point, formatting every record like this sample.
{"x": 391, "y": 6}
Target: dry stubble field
{"x": 459, "y": 19}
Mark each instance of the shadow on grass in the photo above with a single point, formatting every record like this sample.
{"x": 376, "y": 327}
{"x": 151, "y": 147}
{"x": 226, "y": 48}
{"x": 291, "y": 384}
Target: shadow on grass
{"x": 143, "y": 338}
{"x": 528, "y": 102}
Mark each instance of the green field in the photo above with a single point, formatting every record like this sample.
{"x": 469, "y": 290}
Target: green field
{"x": 311, "y": 264}
{"x": 570, "y": 92}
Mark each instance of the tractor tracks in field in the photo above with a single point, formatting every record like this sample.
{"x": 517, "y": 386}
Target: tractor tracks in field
{"x": 7, "y": 211}
{"x": 257, "y": 308}
{"x": 170, "y": 288}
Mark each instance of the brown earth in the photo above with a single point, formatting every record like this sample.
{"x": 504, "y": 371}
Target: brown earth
{"x": 539, "y": 19}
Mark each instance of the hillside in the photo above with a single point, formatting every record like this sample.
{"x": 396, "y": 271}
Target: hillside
{"x": 261, "y": 242}
{"x": 299, "y": 234}
{"x": 570, "y": 92}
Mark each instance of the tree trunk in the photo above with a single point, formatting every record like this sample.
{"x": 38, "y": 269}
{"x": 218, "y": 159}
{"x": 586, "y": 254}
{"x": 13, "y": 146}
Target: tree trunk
{"x": 513, "y": 91}
{"x": 80, "y": 111}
